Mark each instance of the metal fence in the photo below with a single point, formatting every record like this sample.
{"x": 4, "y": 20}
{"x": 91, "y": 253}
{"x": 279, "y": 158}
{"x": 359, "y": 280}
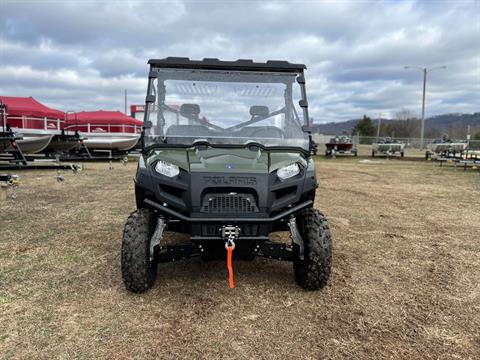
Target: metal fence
{"x": 410, "y": 143}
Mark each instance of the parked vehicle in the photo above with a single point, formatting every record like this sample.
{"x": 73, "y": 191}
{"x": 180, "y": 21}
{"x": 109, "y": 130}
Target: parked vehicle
{"x": 446, "y": 147}
{"x": 340, "y": 145}
{"x": 233, "y": 165}
{"x": 389, "y": 147}
{"x": 106, "y": 130}
{"x": 35, "y": 123}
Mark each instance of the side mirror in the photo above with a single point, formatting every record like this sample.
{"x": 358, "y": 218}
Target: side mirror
{"x": 148, "y": 124}
{"x": 259, "y": 110}
{"x": 303, "y": 103}
{"x": 150, "y": 98}
{"x": 301, "y": 79}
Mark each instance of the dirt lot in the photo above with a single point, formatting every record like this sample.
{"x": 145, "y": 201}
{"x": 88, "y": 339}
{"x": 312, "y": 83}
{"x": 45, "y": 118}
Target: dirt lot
{"x": 406, "y": 274}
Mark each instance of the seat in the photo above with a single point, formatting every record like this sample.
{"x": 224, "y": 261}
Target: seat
{"x": 260, "y": 131}
{"x": 176, "y": 132}
{"x": 190, "y": 111}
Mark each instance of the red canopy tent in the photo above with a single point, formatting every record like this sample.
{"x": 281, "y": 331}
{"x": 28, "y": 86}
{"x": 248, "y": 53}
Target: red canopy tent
{"x": 103, "y": 121}
{"x": 28, "y": 113}
{"x": 28, "y": 106}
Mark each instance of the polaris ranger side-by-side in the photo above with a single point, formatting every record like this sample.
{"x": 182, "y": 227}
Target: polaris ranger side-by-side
{"x": 226, "y": 159}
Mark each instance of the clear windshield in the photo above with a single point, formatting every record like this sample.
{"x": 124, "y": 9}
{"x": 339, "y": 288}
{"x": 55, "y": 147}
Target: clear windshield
{"x": 224, "y": 107}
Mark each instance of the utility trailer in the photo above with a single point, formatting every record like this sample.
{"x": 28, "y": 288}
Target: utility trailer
{"x": 446, "y": 148}
{"x": 468, "y": 163}
{"x": 340, "y": 145}
{"x": 40, "y": 165}
{"x": 9, "y": 149}
{"x": 389, "y": 147}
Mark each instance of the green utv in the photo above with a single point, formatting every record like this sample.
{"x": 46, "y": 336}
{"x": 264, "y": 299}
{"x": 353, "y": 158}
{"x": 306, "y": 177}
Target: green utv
{"x": 227, "y": 159}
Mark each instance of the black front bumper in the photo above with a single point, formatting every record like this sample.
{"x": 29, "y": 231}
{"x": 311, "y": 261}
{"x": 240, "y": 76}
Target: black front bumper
{"x": 230, "y": 220}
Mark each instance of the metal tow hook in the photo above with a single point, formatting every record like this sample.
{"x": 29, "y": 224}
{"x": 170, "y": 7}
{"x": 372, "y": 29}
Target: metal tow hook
{"x": 229, "y": 243}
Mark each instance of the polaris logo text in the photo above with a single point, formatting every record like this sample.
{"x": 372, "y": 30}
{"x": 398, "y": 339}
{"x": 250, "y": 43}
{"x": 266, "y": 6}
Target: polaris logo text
{"x": 230, "y": 180}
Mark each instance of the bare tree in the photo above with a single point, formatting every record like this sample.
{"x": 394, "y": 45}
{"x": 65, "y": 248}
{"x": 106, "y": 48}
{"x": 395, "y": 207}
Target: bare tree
{"x": 406, "y": 124}
{"x": 405, "y": 114}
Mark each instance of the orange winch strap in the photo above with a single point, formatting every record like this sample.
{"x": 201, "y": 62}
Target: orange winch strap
{"x": 229, "y": 265}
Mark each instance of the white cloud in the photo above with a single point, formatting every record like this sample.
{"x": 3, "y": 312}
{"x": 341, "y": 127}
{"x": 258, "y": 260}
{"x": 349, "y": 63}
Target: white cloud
{"x": 81, "y": 55}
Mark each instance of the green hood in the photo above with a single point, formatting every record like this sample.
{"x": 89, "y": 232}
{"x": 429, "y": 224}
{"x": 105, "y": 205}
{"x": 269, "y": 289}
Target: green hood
{"x": 226, "y": 160}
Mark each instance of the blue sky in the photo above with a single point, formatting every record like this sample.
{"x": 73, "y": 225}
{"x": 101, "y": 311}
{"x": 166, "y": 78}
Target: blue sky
{"x": 81, "y": 55}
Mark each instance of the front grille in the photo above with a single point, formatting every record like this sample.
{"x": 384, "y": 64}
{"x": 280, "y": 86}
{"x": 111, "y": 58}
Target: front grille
{"x": 230, "y": 203}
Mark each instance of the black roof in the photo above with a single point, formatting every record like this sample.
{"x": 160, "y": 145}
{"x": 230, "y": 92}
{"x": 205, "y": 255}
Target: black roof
{"x": 215, "y": 64}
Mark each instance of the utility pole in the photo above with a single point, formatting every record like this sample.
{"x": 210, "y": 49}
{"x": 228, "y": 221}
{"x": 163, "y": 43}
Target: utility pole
{"x": 468, "y": 136}
{"x": 425, "y": 72}
{"x": 422, "y": 131}
{"x": 126, "y": 102}
{"x": 379, "y": 125}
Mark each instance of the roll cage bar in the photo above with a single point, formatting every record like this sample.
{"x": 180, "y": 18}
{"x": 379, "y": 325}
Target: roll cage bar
{"x": 215, "y": 64}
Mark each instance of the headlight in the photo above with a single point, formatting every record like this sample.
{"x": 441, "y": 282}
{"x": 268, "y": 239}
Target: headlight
{"x": 167, "y": 169}
{"x": 288, "y": 171}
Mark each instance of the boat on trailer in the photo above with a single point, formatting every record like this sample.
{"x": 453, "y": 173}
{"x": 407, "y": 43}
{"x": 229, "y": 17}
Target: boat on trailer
{"x": 446, "y": 147}
{"x": 65, "y": 141}
{"x": 388, "y": 146}
{"x": 40, "y": 129}
{"x": 36, "y": 123}
{"x": 340, "y": 145}
{"x": 106, "y": 130}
